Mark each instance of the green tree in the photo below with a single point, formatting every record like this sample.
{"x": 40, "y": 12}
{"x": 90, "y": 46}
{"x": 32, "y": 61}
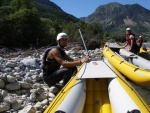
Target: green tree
{"x": 22, "y": 28}
{"x": 5, "y": 11}
{"x": 1, "y": 2}
{"x": 5, "y": 2}
{"x": 21, "y": 4}
{"x": 48, "y": 31}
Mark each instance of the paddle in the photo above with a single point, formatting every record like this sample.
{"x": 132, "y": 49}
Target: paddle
{"x": 83, "y": 42}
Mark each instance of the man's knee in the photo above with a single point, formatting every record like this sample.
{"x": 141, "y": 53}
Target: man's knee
{"x": 73, "y": 70}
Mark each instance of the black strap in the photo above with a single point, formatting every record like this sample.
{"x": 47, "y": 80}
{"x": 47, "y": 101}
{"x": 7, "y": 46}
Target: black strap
{"x": 134, "y": 111}
{"x": 59, "y": 111}
{"x": 46, "y": 53}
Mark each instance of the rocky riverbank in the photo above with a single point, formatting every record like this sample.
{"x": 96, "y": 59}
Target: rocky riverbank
{"x": 22, "y": 89}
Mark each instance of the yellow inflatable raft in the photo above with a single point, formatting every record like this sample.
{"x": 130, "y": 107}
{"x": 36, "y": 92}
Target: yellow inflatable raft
{"x": 133, "y": 72}
{"x": 97, "y": 88}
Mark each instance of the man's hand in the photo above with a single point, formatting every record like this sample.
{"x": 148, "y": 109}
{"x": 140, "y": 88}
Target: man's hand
{"x": 85, "y": 59}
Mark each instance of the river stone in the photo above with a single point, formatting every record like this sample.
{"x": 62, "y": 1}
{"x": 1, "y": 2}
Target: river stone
{"x": 16, "y": 105}
{"x": 8, "y": 69}
{"x": 36, "y": 77}
{"x": 11, "y": 64}
{"x": 10, "y": 79}
{"x": 4, "y": 107}
{"x": 13, "y": 86}
{"x": 4, "y": 93}
{"x": 28, "y": 109}
{"x": 2, "y": 84}
{"x": 42, "y": 96}
{"x": 33, "y": 97}
{"x": 51, "y": 95}
{"x": 25, "y": 85}
{"x": 28, "y": 79}
{"x": 17, "y": 69}
{"x": 10, "y": 99}
{"x": 54, "y": 89}
{"x": 44, "y": 102}
{"x": 38, "y": 105}
{"x": 29, "y": 62}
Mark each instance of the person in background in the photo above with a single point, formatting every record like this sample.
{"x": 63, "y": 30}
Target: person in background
{"x": 131, "y": 41}
{"x": 139, "y": 41}
{"x": 57, "y": 65}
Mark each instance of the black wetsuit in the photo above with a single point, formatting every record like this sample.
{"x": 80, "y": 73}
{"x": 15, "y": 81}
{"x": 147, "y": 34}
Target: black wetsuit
{"x": 52, "y": 73}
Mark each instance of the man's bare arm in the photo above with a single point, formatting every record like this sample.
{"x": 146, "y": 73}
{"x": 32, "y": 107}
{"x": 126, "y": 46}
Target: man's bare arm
{"x": 54, "y": 53}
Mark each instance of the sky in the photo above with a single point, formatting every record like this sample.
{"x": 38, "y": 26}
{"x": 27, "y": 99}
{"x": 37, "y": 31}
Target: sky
{"x": 83, "y": 8}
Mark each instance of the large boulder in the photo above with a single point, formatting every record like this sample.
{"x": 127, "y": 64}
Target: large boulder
{"x": 93, "y": 44}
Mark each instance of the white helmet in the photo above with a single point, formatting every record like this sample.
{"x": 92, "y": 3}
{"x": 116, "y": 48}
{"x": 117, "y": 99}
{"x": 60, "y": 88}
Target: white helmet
{"x": 128, "y": 29}
{"x": 62, "y": 35}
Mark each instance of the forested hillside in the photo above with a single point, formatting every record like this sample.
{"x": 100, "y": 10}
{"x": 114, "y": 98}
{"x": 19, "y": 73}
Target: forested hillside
{"x": 37, "y": 22}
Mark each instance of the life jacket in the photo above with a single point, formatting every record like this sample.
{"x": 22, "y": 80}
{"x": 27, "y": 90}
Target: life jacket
{"x": 51, "y": 65}
{"x": 128, "y": 39}
{"x": 140, "y": 41}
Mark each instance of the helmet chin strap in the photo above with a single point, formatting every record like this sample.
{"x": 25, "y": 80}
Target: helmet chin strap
{"x": 61, "y": 46}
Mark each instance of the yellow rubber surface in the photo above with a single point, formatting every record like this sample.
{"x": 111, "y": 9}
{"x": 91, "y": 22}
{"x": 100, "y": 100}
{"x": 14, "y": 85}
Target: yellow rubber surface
{"x": 97, "y": 100}
{"x": 134, "y": 73}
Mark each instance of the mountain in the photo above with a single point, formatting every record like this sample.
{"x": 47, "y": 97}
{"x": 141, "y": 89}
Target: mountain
{"x": 115, "y": 17}
{"x": 48, "y": 9}
{"x": 49, "y": 3}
